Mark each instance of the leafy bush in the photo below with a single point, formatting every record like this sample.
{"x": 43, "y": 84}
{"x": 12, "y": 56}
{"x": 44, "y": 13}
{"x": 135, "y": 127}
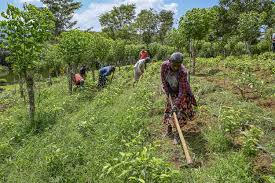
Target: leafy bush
{"x": 140, "y": 166}
{"x": 235, "y": 118}
{"x": 246, "y": 82}
{"x": 5, "y": 152}
{"x": 240, "y": 48}
{"x": 251, "y": 139}
{"x": 3, "y": 81}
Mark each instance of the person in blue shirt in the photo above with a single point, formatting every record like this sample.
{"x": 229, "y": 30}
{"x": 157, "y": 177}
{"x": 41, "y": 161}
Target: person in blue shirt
{"x": 103, "y": 73}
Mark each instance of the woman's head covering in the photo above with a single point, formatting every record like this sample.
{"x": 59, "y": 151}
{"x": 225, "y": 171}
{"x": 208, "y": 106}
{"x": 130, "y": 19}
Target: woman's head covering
{"x": 176, "y": 57}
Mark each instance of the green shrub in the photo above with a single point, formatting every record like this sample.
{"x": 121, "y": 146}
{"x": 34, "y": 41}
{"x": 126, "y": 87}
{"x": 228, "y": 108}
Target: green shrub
{"x": 140, "y": 166}
{"x": 3, "y": 81}
{"x": 5, "y": 152}
{"x": 251, "y": 139}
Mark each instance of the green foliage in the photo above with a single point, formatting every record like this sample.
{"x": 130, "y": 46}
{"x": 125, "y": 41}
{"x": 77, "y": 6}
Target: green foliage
{"x": 3, "y": 69}
{"x": 269, "y": 179}
{"x": 233, "y": 119}
{"x": 52, "y": 58}
{"x": 165, "y": 23}
{"x": 116, "y": 53}
{"x": 233, "y": 167}
{"x": 196, "y": 23}
{"x": 247, "y": 82}
{"x": 132, "y": 51}
{"x": 74, "y": 46}
{"x": 86, "y": 131}
{"x": 240, "y": 48}
{"x": 63, "y": 10}
{"x": 25, "y": 32}
{"x": 160, "y": 52}
{"x": 249, "y": 25}
{"x": 6, "y": 152}
{"x": 3, "y": 81}
{"x": 59, "y": 158}
{"x": 139, "y": 166}
{"x": 117, "y": 23}
{"x": 262, "y": 47}
{"x": 146, "y": 24}
{"x": 251, "y": 139}
{"x": 217, "y": 142}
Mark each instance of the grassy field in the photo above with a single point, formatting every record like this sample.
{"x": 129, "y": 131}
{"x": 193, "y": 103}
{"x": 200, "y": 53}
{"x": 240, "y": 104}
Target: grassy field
{"x": 116, "y": 135}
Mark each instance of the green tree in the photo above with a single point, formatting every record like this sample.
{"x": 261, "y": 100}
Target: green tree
{"x": 230, "y": 10}
{"x": 176, "y": 39}
{"x": 116, "y": 53}
{"x": 165, "y": 23}
{"x": 249, "y": 27}
{"x": 195, "y": 25}
{"x": 117, "y": 23}
{"x": 51, "y": 60}
{"x": 75, "y": 48}
{"x": 25, "y": 32}
{"x": 63, "y": 10}
{"x": 100, "y": 48}
{"x": 146, "y": 25}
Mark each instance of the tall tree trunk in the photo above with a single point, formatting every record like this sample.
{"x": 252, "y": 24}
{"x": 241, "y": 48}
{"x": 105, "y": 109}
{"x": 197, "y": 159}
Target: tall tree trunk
{"x": 93, "y": 71}
{"x": 190, "y": 53}
{"x": 248, "y": 47}
{"x": 212, "y": 50}
{"x": 56, "y": 73}
{"x": 193, "y": 53}
{"x": 30, "y": 89}
{"x": 50, "y": 78}
{"x": 70, "y": 77}
{"x": 193, "y": 63}
{"x": 21, "y": 87}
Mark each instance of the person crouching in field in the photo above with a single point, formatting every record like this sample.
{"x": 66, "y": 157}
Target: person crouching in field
{"x": 139, "y": 69}
{"x": 144, "y": 54}
{"x": 103, "y": 73}
{"x": 82, "y": 72}
{"x": 78, "y": 80}
{"x": 175, "y": 84}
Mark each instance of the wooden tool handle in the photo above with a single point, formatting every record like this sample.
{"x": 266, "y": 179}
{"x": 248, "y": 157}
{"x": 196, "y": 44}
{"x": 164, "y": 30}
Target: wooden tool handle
{"x": 183, "y": 142}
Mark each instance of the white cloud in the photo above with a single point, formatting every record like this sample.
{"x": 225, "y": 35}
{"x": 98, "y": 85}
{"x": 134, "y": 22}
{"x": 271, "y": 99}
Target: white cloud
{"x": 90, "y": 17}
{"x": 29, "y": 1}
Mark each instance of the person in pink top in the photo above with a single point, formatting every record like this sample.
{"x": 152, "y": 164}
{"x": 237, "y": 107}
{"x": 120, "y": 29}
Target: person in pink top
{"x": 78, "y": 78}
{"x": 143, "y": 54}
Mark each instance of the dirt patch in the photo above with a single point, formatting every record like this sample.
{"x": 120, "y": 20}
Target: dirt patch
{"x": 262, "y": 163}
{"x": 175, "y": 159}
{"x": 248, "y": 95}
{"x": 191, "y": 128}
{"x": 267, "y": 103}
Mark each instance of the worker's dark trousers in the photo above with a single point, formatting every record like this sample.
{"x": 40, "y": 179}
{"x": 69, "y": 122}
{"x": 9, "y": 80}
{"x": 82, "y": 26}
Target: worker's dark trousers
{"x": 101, "y": 81}
{"x": 273, "y": 47}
